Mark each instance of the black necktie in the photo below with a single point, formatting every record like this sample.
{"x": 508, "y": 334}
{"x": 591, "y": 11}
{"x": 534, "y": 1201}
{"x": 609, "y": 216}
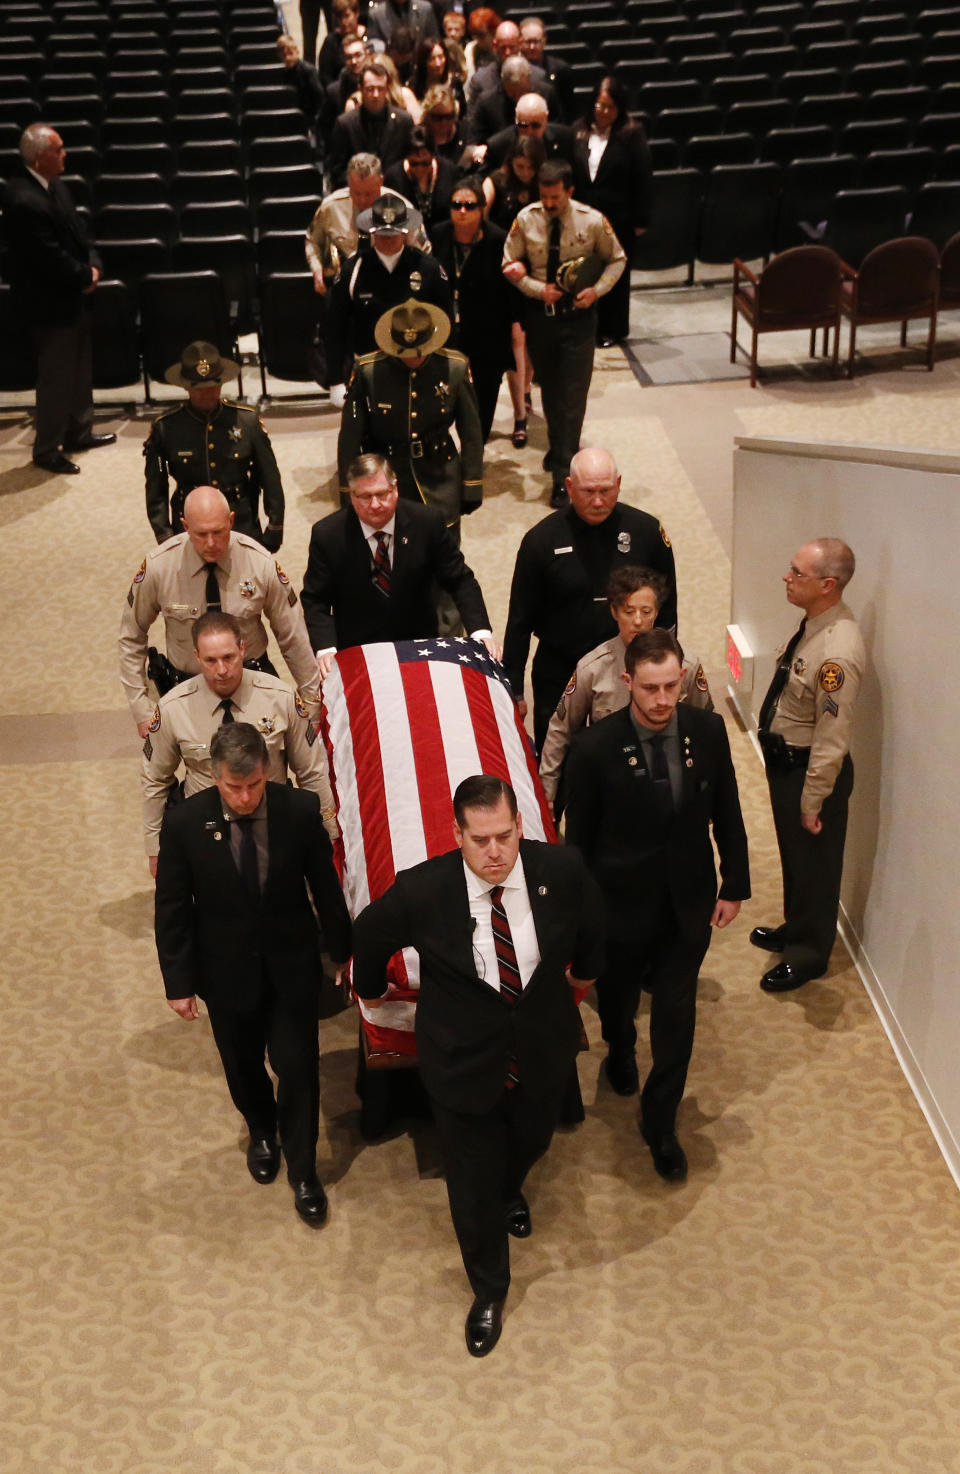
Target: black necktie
{"x": 780, "y": 675}
{"x": 660, "y": 773}
{"x": 510, "y": 982}
{"x": 553, "y": 250}
{"x": 249, "y": 869}
{"x": 228, "y": 716}
{"x": 212, "y": 590}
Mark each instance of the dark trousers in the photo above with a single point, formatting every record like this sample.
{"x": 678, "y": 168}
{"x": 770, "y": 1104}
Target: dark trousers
{"x": 613, "y": 308}
{"x": 561, "y": 348}
{"x": 485, "y": 1160}
{"x": 486, "y": 381}
{"x": 64, "y": 410}
{"x": 285, "y": 1029}
{"x": 549, "y": 675}
{"x": 812, "y": 865}
{"x": 310, "y": 12}
{"x": 662, "y": 958}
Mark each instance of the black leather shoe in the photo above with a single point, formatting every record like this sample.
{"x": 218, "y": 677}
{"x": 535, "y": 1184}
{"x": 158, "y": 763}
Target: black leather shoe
{"x": 263, "y": 1158}
{"x": 770, "y": 938}
{"x": 621, "y": 1071}
{"x": 310, "y": 1201}
{"x": 484, "y": 1324}
{"x": 604, "y": 342}
{"x": 92, "y": 442}
{"x": 669, "y": 1157}
{"x": 558, "y": 496}
{"x": 518, "y": 1218}
{"x": 785, "y": 977}
{"x": 56, "y": 463}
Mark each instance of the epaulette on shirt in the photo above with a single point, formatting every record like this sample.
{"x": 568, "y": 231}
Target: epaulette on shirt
{"x": 173, "y": 410}
{"x": 596, "y": 656}
{"x": 251, "y": 542}
{"x": 453, "y": 354}
{"x": 171, "y": 545}
{"x": 363, "y": 358}
{"x": 267, "y": 682}
{"x": 246, "y": 409}
{"x": 184, "y": 688}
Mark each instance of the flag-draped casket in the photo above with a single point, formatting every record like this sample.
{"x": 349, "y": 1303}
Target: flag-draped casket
{"x": 404, "y": 725}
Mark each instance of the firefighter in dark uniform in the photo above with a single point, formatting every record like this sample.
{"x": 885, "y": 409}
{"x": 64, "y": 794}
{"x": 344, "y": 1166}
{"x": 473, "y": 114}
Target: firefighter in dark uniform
{"x": 560, "y": 579}
{"x": 211, "y": 441}
{"x": 366, "y": 287}
{"x": 402, "y": 402}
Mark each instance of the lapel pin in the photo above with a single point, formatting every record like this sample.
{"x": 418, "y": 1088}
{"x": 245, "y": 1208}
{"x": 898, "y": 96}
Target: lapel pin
{"x": 632, "y": 761}
{"x": 689, "y": 762}
{"x": 218, "y": 835}
{"x": 542, "y": 890}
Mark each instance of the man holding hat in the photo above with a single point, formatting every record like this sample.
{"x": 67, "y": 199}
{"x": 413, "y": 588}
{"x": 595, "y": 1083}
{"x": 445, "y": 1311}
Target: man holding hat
{"x": 402, "y": 402}
{"x": 209, "y": 441}
{"x": 384, "y": 272}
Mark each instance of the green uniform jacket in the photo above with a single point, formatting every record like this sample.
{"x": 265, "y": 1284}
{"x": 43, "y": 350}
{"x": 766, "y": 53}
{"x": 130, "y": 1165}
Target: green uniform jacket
{"x": 228, "y": 449}
{"x": 406, "y": 415}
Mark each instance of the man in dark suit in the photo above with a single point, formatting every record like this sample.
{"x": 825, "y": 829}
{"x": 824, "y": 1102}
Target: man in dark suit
{"x": 531, "y": 121}
{"x": 492, "y": 110}
{"x": 52, "y": 271}
{"x": 505, "y": 930}
{"x": 356, "y": 594}
{"x": 234, "y": 924}
{"x": 559, "y": 73}
{"x": 375, "y": 127}
{"x": 645, "y": 785}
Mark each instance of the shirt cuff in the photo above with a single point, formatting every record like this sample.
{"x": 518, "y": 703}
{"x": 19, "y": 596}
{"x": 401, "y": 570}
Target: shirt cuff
{"x": 481, "y": 634}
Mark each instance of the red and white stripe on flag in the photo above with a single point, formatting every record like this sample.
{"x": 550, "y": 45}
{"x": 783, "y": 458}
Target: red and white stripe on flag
{"x": 403, "y": 725}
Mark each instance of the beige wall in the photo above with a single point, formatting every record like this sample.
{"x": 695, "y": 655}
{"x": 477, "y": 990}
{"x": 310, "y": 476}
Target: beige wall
{"x": 900, "y": 512}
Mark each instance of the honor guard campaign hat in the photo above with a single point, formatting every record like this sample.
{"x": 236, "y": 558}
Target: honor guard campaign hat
{"x": 200, "y": 363}
{"x": 412, "y": 330}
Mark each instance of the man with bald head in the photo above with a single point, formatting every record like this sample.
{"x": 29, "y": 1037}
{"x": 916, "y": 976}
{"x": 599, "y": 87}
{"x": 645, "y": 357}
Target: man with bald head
{"x": 531, "y": 120}
{"x": 53, "y": 271}
{"x": 209, "y": 566}
{"x": 804, "y": 730}
{"x": 560, "y": 579}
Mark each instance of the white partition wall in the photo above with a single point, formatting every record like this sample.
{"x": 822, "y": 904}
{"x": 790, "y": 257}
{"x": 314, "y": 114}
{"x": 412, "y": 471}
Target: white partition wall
{"x": 900, "y": 512}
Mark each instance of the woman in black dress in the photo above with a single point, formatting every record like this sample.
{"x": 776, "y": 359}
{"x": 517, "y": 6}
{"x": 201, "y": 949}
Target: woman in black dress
{"x": 612, "y": 173}
{"x": 507, "y": 191}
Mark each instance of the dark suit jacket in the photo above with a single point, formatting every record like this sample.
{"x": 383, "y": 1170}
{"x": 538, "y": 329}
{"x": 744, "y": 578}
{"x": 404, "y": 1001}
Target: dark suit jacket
{"x": 211, "y": 939}
{"x": 559, "y": 74}
{"x": 488, "y": 305}
{"x": 48, "y": 255}
{"x": 612, "y": 816}
{"x": 438, "y": 204}
{"x": 340, "y": 603}
{"x": 557, "y": 139}
{"x": 622, "y": 188}
{"x": 466, "y": 1030}
{"x": 349, "y": 137}
{"x": 494, "y": 110}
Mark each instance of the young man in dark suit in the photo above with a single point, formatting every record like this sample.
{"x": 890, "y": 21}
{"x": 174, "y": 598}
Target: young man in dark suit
{"x": 375, "y": 127}
{"x": 644, "y": 788}
{"x": 53, "y": 271}
{"x": 234, "y": 925}
{"x": 505, "y": 929}
{"x": 372, "y": 567}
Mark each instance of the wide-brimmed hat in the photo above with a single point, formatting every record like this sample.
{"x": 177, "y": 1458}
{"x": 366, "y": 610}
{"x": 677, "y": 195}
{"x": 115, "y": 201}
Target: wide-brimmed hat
{"x": 389, "y": 212}
{"x": 201, "y": 363}
{"x": 582, "y": 271}
{"x": 412, "y": 330}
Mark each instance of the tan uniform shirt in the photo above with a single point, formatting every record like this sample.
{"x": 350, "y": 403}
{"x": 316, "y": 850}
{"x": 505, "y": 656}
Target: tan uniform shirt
{"x": 595, "y": 690}
{"x": 190, "y": 714}
{"x": 584, "y": 232}
{"x": 815, "y": 708}
{"x": 335, "y": 224}
{"x": 171, "y": 581}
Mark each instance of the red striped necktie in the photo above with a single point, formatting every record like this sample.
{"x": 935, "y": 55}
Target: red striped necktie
{"x": 510, "y": 984}
{"x": 381, "y": 564}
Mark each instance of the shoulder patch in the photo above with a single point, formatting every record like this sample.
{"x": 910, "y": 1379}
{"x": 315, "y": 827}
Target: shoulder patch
{"x": 831, "y": 676}
{"x": 138, "y": 577}
{"x": 663, "y": 533}
{"x": 155, "y": 720}
{"x": 831, "y": 707}
{"x": 299, "y": 704}
{"x": 700, "y": 680}
{"x": 281, "y": 575}
{"x": 571, "y": 685}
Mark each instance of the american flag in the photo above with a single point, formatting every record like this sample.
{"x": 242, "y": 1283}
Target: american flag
{"x": 403, "y": 725}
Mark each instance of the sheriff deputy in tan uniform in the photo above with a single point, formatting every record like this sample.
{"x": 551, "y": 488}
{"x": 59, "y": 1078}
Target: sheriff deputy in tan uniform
{"x": 402, "y": 402}
{"x": 600, "y": 685}
{"x": 561, "y": 325}
{"x": 224, "y": 691}
{"x": 207, "y": 567}
{"x": 804, "y": 730}
{"x": 211, "y": 441}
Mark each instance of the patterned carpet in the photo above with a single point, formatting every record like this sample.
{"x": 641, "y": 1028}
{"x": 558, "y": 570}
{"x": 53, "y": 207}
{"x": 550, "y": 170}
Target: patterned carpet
{"x": 791, "y": 1309}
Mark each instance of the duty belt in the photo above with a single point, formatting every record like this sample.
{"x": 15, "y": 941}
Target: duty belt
{"x": 780, "y": 754}
{"x": 418, "y": 446}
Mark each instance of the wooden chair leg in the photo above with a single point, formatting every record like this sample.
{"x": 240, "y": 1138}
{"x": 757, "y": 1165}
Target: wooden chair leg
{"x": 853, "y": 344}
{"x": 903, "y": 333}
{"x": 753, "y": 358}
{"x": 931, "y": 339}
{"x": 813, "y": 342}
{"x": 836, "y": 345}
{"x": 733, "y": 330}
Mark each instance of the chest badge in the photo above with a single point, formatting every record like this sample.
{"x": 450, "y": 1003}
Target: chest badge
{"x": 267, "y": 725}
{"x": 623, "y": 542}
{"x": 248, "y": 588}
{"x": 416, "y": 281}
{"x": 236, "y": 433}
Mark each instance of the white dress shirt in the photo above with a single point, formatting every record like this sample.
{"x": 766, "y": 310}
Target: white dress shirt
{"x": 516, "y": 903}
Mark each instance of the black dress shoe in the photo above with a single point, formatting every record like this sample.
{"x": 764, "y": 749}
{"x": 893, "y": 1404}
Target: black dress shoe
{"x": 263, "y": 1158}
{"x": 785, "y": 977}
{"x": 310, "y": 1201}
{"x": 621, "y": 1071}
{"x": 518, "y": 1218}
{"x": 770, "y": 938}
{"x": 92, "y": 442}
{"x": 558, "y": 496}
{"x": 56, "y": 463}
{"x": 604, "y": 342}
{"x": 484, "y": 1324}
{"x": 669, "y": 1157}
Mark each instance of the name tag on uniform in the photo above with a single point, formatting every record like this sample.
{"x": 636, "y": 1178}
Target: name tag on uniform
{"x": 562, "y": 550}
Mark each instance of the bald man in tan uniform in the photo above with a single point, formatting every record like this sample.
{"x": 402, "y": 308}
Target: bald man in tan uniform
{"x": 179, "y": 580}
{"x": 224, "y": 692}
